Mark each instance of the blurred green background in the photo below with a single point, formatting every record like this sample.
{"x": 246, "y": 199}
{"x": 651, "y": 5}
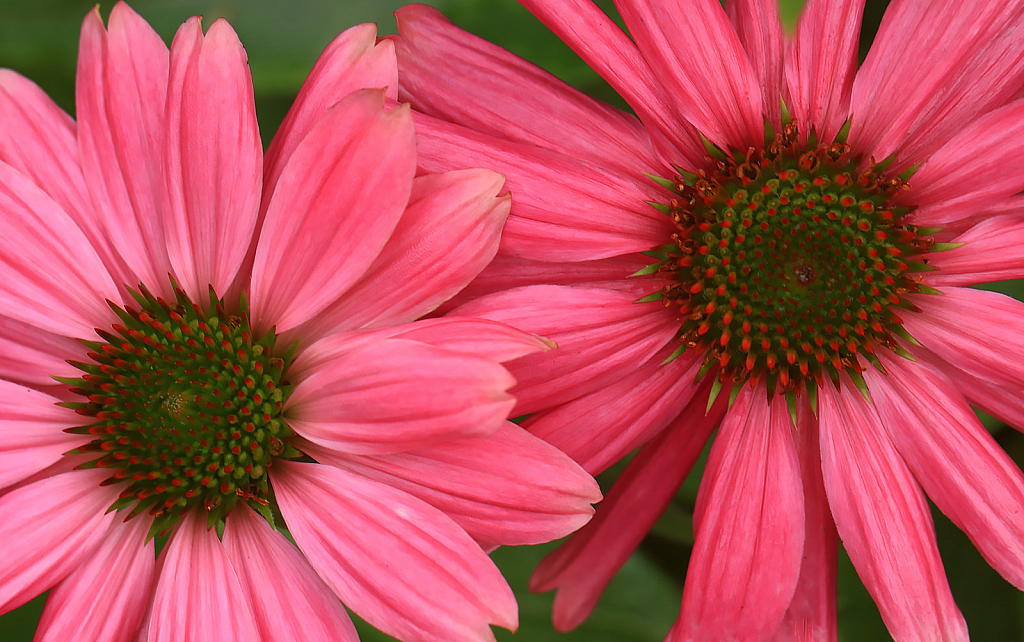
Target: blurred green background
{"x": 283, "y": 38}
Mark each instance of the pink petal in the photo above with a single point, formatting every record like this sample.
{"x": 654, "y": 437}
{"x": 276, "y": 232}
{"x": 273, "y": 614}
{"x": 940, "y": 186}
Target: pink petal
{"x": 748, "y": 526}
{"x": 759, "y": 27}
{"x": 697, "y": 58}
{"x": 602, "y": 212}
{"x": 582, "y": 567}
{"x": 198, "y": 595}
{"x": 449, "y": 232}
{"x": 33, "y": 357}
{"x": 992, "y": 250}
{"x": 969, "y": 59}
{"x": 601, "y": 335}
{"x": 986, "y": 150}
{"x": 821, "y": 62}
{"x": 49, "y": 528}
{"x": 883, "y": 520}
{"x": 290, "y": 601}
{"x": 53, "y": 279}
{"x": 33, "y": 432}
{"x": 961, "y": 467}
{"x": 456, "y": 76}
{"x": 337, "y": 202}
{"x": 213, "y": 162}
{"x": 508, "y": 488}
{"x": 120, "y": 93}
{"x": 395, "y": 394}
{"x": 103, "y": 599}
{"x": 400, "y": 564}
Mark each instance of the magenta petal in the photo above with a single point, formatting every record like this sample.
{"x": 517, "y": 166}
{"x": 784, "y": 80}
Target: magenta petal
{"x": 395, "y": 394}
{"x": 290, "y": 602}
{"x": 748, "y": 526}
{"x": 400, "y": 564}
{"x": 213, "y": 158}
{"x": 992, "y": 250}
{"x": 759, "y": 27}
{"x": 198, "y": 596}
{"x": 884, "y": 521}
{"x": 33, "y": 357}
{"x": 49, "y": 528}
{"x": 105, "y": 598}
{"x": 491, "y": 339}
{"x": 339, "y": 198}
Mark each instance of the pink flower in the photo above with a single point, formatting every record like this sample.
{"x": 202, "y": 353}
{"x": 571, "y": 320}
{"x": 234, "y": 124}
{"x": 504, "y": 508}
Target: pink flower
{"x": 722, "y": 261}
{"x": 275, "y": 387}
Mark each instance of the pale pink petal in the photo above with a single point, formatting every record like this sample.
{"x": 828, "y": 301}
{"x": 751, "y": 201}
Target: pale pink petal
{"x": 104, "y": 599}
{"x": 53, "y": 279}
{"x": 759, "y": 26}
{"x": 449, "y": 232}
{"x": 400, "y": 564}
{"x": 992, "y": 250}
{"x": 884, "y": 521}
{"x": 289, "y": 600}
{"x": 969, "y": 57}
{"x": 979, "y": 332}
{"x": 339, "y": 198}
{"x": 213, "y": 158}
{"x": 120, "y": 93}
{"x": 582, "y": 567}
{"x": 601, "y": 335}
{"x": 600, "y": 428}
{"x": 957, "y": 462}
{"x": 33, "y": 357}
{"x": 821, "y": 62}
{"x": 508, "y": 488}
{"x": 49, "y": 528}
{"x": 610, "y": 52}
{"x": 198, "y": 596}
{"x": 33, "y": 426}
{"x": 456, "y": 76}
{"x": 698, "y": 59}
{"x": 601, "y": 212}
{"x": 985, "y": 150}
{"x": 748, "y": 526}
{"x": 391, "y": 395}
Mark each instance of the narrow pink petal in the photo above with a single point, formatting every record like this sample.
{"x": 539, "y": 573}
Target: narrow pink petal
{"x": 600, "y": 428}
{"x": 120, "y": 93}
{"x": 698, "y": 59}
{"x": 821, "y": 62}
{"x": 49, "y": 528}
{"x": 448, "y": 233}
{"x": 508, "y": 488}
{"x": 759, "y": 27}
{"x": 104, "y": 599}
{"x": 992, "y": 250}
{"x": 582, "y": 567}
{"x": 611, "y": 53}
{"x": 884, "y": 521}
{"x": 337, "y": 202}
{"x": 198, "y": 596}
{"x": 213, "y": 164}
{"x": 33, "y": 432}
{"x": 53, "y": 279}
{"x": 748, "y": 527}
{"x": 33, "y": 357}
{"x": 986, "y": 151}
{"x": 957, "y": 462}
{"x": 397, "y": 562}
{"x": 979, "y": 332}
{"x": 456, "y": 76}
{"x": 970, "y": 58}
{"x": 602, "y": 212}
{"x": 601, "y": 334}
{"x": 391, "y": 395}
{"x": 290, "y": 601}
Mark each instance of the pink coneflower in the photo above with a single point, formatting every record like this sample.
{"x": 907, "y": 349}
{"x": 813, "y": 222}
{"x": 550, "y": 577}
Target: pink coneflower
{"x": 259, "y": 378}
{"x": 777, "y": 247}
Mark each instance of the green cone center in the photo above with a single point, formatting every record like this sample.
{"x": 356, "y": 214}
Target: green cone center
{"x": 185, "y": 407}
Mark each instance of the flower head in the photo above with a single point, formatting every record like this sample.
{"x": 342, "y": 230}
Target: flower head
{"x": 203, "y": 342}
{"x": 776, "y": 246}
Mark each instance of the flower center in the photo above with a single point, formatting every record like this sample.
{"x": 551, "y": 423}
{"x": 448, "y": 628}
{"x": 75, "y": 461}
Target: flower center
{"x": 185, "y": 408}
{"x": 789, "y": 264}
